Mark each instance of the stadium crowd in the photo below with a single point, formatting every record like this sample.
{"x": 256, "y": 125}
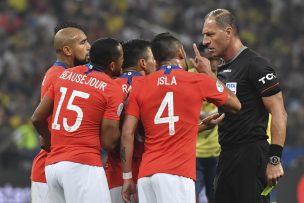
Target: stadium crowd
{"x": 270, "y": 27}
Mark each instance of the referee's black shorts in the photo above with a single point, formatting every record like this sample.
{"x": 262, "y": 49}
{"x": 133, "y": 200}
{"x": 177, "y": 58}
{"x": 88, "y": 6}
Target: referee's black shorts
{"x": 241, "y": 174}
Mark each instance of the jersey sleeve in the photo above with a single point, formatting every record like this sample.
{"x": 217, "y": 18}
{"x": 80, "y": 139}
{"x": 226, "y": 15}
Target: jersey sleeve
{"x": 212, "y": 90}
{"x": 50, "y": 91}
{"x": 263, "y": 77}
{"x": 51, "y": 75}
{"x": 46, "y": 83}
{"x": 114, "y": 104}
{"x": 132, "y": 103}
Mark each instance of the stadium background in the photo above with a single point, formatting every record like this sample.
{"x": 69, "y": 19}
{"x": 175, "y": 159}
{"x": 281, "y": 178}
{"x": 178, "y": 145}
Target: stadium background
{"x": 274, "y": 28}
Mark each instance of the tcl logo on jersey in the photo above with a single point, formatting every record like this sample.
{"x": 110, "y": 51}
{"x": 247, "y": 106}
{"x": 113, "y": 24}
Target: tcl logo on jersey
{"x": 269, "y": 76}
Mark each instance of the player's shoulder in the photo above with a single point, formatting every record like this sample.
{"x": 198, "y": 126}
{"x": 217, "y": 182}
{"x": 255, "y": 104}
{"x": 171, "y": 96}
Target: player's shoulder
{"x": 52, "y": 75}
{"x": 192, "y": 75}
{"x": 54, "y": 70}
{"x": 252, "y": 57}
{"x": 121, "y": 81}
{"x": 138, "y": 79}
{"x": 79, "y": 69}
{"x": 257, "y": 62}
{"x": 111, "y": 83}
{"x": 138, "y": 83}
{"x": 85, "y": 70}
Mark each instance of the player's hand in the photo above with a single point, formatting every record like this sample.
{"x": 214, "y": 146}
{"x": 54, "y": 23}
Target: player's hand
{"x": 129, "y": 192}
{"x": 274, "y": 173}
{"x": 201, "y": 64}
{"x": 212, "y": 120}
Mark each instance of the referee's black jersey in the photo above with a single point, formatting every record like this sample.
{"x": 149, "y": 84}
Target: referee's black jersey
{"x": 250, "y": 77}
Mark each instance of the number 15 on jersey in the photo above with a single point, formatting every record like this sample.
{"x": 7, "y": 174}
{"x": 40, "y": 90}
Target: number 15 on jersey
{"x": 71, "y": 107}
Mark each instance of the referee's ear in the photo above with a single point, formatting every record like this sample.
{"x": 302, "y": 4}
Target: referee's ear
{"x": 229, "y": 32}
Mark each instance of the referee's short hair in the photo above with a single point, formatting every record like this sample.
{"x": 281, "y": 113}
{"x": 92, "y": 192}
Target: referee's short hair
{"x": 223, "y": 19}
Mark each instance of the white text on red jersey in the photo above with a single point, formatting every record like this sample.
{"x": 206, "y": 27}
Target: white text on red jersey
{"x": 165, "y": 80}
{"x": 83, "y": 79}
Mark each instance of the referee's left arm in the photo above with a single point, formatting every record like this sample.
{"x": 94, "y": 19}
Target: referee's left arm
{"x": 275, "y": 105}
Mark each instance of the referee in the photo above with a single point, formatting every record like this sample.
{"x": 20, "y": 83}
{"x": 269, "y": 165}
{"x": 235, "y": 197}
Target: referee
{"x": 247, "y": 163}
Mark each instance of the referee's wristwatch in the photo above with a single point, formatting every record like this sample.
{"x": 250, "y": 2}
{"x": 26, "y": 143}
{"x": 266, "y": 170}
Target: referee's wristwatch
{"x": 274, "y": 160}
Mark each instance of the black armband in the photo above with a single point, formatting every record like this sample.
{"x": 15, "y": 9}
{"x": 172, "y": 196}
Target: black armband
{"x": 275, "y": 150}
{"x": 275, "y": 153}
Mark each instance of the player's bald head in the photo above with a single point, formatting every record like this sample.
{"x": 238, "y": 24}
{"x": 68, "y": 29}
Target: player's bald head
{"x": 65, "y": 37}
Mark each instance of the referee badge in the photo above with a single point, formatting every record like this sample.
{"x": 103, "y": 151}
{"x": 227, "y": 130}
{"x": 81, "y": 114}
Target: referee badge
{"x": 232, "y": 86}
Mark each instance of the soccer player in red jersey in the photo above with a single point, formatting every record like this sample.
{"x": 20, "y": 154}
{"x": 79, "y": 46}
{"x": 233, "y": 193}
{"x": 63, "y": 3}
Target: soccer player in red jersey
{"x": 138, "y": 61}
{"x": 168, "y": 102}
{"x": 86, "y": 105}
{"x": 72, "y": 48}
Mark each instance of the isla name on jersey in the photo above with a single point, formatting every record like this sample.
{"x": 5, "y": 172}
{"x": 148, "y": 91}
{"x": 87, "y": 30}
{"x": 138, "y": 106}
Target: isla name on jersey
{"x": 164, "y": 80}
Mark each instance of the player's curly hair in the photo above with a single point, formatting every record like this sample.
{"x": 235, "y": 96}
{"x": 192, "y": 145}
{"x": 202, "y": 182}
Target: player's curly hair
{"x": 104, "y": 51}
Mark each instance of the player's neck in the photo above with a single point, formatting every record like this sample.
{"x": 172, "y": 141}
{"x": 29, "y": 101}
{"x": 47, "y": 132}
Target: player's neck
{"x": 173, "y": 62}
{"x": 130, "y": 69}
{"x": 66, "y": 61}
{"x": 134, "y": 69}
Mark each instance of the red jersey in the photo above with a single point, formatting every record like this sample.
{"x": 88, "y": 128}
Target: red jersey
{"x": 38, "y": 165}
{"x": 125, "y": 81}
{"x": 114, "y": 168}
{"x": 38, "y": 174}
{"x": 168, "y": 102}
{"x": 82, "y": 96}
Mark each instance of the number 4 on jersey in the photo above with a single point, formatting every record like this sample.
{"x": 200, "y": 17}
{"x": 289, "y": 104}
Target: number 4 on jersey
{"x": 171, "y": 119}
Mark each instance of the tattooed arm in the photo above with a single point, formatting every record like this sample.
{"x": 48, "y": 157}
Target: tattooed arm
{"x": 126, "y": 153}
{"x": 127, "y": 142}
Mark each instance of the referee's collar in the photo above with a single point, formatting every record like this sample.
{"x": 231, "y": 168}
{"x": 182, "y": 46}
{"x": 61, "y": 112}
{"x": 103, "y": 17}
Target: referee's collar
{"x": 235, "y": 56}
